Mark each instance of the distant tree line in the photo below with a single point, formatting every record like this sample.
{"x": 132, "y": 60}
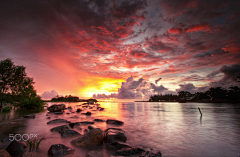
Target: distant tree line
{"x": 213, "y": 94}
{"x": 67, "y": 98}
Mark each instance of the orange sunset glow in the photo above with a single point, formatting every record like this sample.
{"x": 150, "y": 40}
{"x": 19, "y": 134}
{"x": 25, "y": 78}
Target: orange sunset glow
{"x": 118, "y": 49}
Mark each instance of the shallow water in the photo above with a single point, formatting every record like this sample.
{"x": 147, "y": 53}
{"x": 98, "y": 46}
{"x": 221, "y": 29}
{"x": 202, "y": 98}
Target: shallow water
{"x": 175, "y": 129}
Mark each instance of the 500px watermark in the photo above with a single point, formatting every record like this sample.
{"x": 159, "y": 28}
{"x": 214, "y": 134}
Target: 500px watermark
{"x": 23, "y": 137}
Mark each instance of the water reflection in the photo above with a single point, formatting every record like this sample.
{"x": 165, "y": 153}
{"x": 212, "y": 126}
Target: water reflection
{"x": 175, "y": 129}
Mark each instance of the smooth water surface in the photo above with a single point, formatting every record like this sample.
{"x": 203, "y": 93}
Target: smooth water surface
{"x": 176, "y": 129}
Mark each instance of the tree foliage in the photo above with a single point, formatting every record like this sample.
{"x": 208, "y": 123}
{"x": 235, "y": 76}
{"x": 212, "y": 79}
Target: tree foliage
{"x": 15, "y": 86}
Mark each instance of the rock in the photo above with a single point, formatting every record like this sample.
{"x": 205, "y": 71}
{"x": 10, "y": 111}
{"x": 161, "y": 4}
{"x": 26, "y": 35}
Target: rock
{"x": 48, "y": 117}
{"x": 138, "y": 152}
{"x": 69, "y": 133}
{"x": 90, "y": 107}
{"x": 88, "y": 113}
{"x": 67, "y": 113}
{"x": 46, "y": 114}
{"x": 151, "y": 152}
{"x": 112, "y": 121}
{"x": 94, "y": 154}
{"x": 58, "y": 113}
{"x": 79, "y": 128}
{"x": 91, "y": 139}
{"x": 86, "y": 130}
{"x": 16, "y": 148}
{"x": 114, "y": 129}
{"x": 118, "y": 145}
{"x": 60, "y": 128}
{"x": 135, "y": 151}
{"x": 85, "y": 122}
{"x": 71, "y": 125}
{"x": 101, "y": 109}
{"x": 113, "y": 135}
{"x": 79, "y": 110}
{"x": 59, "y": 149}
{"x": 4, "y": 153}
{"x": 58, "y": 121}
{"x": 99, "y": 120}
{"x": 29, "y": 116}
{"x": 70, "y": 107}
{"x": 56, "y": 108}
{"x": 90, "y": 127}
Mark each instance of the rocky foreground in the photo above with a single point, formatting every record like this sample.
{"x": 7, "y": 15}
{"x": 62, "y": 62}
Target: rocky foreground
{"x": 112, "y": 138}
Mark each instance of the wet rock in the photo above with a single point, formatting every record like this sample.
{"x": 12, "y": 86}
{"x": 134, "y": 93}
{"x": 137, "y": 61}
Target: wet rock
{"x": 151, "y": 152}
{"x": 60, "y": 128}
{"x": 99, "y": 120}
{"x": 79, "y": 110}
{"x": 112, "y": 121}
{"x": 117, "y": 145}
{"x": 58, "y": 113}
{"x": 138, "y": 152}
{"x": 69, "y": 133}
{"x": 58, "y": 121}
{"x": 88, "y": 113}
{"x": 30, "y": 116}
{"x": 135, "y": 151}
{"x": 113, "y": 135}
{"x": 16, "y": 148}
{"x": 71, "y": 125}
{"x": 4, "y": 153}
{"x": 90, "y": 127}
{"x": 91, "y": 139}
{"x": 85, "y": 122}
{"x": 56, "y": 108}
{"x": 94, "y": 154}
{"x": 48, "y": 117}
{"x": 101, "y": 109}
{"x": 59, "y": 149}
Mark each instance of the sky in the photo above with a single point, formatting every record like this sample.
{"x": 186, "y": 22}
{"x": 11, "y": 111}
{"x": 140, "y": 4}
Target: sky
{"x": 122, "y": 49}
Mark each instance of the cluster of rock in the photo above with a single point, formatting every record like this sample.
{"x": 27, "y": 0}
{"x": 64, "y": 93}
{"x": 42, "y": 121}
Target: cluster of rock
{"x": 112, "y": 138}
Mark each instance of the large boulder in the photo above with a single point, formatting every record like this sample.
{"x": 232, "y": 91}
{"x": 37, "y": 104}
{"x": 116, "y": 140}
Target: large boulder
{"x": 58, "y": 121}
{"x": 138, "y": 152}
{"x": 56, "y": 108}
{"x": 60, "y": 128}
{"x": 16, "y": 148}
{"x": 113, "y": 135}
{"x": 112, "y": 121}
{"x": 91, "y": 139}
{"x": 59, "y": 149}
{"x": 69, "y": 133}
{"x": 4, "y": 153}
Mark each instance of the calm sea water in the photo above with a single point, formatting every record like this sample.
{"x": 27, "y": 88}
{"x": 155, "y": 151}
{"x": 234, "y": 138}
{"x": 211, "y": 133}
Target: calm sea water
{"x": 176, "y": 129}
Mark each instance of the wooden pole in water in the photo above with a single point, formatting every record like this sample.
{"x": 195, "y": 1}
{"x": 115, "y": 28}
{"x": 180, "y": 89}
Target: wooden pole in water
{"x": 200, "y": 111}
